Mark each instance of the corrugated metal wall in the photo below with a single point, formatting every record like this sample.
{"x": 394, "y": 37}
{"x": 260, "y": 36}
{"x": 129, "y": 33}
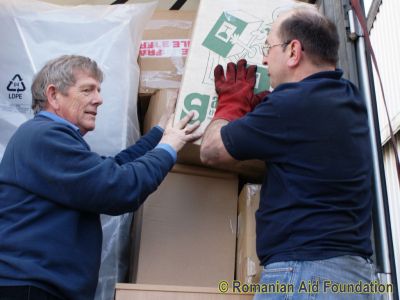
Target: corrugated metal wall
{"x": 386, "y": 43}
{"x": 393, "y": 189}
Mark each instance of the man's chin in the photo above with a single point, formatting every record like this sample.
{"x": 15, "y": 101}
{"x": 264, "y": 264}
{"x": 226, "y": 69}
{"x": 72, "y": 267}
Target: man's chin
{"x": 87, "y": 129}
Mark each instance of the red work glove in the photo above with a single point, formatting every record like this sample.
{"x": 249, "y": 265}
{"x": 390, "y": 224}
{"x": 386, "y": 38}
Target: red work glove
{"x": 235, "y": 92}
{"x": 257, "y": 98}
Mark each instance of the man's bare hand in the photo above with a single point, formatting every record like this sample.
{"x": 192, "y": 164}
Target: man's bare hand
{"x": 181, "y": 133}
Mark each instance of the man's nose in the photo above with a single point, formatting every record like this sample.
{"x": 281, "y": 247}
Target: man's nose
{"x": 98, "y": 99}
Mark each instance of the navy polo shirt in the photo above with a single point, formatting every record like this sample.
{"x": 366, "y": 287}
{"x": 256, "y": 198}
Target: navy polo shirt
{"x": 316, "y": 196}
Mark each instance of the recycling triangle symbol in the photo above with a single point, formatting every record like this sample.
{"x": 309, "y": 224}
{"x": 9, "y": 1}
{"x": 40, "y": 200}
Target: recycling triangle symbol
{"x": 16, "y": 84}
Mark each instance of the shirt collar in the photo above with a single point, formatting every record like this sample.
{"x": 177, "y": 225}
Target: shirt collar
{"x": 336, "y": 74}
{"x": 57, "y": 119}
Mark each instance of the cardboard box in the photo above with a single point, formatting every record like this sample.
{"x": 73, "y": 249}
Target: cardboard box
{"x": 188, "y": 230}
{"x": 248, "y": 267}
{"x": 158, "y": 103}
{"x": 230, "y": 31}
{"x": 190, "y": 154}
{"x": 156, "y": 292}
{"x": 164, "y": 47}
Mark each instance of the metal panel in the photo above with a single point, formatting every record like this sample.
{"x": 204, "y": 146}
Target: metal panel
{"x": 386, "y": 43}
{"x": 393, "y": 190}
{"x": 371, "y": 10}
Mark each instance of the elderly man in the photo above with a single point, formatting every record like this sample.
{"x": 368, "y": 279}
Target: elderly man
{"x": 53, "y": 188}
{"x": 313, "y": 225}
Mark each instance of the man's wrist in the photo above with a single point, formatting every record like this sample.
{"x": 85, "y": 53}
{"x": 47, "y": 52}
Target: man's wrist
{"x": 169, "y": 149}
{"x": 229, "y": 113}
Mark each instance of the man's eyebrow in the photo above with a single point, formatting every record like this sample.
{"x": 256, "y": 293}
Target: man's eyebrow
{"x": 90, "y": 86}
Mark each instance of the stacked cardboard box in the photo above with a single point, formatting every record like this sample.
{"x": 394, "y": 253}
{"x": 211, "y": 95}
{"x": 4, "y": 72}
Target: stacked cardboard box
{"x": 186, "y": 238}
{"x": 188, "y": 229}
{"x": 248, "y": 267}
{"x": 156, "y": 292}
{"x": 164, "y": 48}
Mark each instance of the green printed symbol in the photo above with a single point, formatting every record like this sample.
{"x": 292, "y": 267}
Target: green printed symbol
{"x": 219, "y": 38}
{"x": 198, "y": 103}
{"x": 262, "y": 80}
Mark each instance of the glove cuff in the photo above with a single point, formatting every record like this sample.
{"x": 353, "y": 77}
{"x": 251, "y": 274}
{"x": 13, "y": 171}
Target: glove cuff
{"x": 230, "y": 111}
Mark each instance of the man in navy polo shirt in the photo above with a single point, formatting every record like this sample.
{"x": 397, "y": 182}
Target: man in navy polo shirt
{"x": 314, "y": 220}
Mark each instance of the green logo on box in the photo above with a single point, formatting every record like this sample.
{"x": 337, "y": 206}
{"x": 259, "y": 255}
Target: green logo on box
{"x": 198, "y": 103}
{"x": 262, "y": 80}
{"x": 219, "y": 38}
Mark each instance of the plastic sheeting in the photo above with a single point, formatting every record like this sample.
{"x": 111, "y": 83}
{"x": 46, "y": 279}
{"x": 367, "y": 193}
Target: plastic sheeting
{"x": 115, "y": 254}
{"x": 34, "y": 32}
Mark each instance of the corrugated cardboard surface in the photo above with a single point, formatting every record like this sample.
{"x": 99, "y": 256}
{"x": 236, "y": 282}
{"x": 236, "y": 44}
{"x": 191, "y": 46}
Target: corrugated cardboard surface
{"x": 157, "y": 105}
{"x": 165, "y": 44}
{"x": 190, "y": 154}
{"x": 224, "y": 31}
{"x": 188, "y": 230}
{"x": 247, "y": 264}
{"x": 156, "y": 292}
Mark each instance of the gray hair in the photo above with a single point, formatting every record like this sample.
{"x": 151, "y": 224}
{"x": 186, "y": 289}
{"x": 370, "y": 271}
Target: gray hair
{"x": 61, "y": 73}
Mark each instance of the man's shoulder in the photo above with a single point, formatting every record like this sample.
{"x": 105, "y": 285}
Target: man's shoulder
{"x": 317, "y": 86}
{"x": 287, "y": 95}
{"x": 41, "y": 128}
{"x": 41, "y": 124}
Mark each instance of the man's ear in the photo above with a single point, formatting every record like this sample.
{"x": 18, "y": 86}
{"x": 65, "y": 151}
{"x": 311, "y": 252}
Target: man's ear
{"x": 295, "y": 52}
{"x": 52, "y": 97}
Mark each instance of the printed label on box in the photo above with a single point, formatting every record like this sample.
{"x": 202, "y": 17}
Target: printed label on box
{"x": 202, "y": 105}
{"x": 164, "y": 48}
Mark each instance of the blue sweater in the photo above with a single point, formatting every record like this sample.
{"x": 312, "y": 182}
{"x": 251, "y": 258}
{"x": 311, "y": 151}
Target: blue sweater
{"x": 52, "y": 190}
{"x": 316, "y": 198}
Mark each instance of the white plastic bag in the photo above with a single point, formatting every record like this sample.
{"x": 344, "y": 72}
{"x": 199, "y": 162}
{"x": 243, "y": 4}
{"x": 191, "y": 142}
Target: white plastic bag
{"x": 34, "y": 32}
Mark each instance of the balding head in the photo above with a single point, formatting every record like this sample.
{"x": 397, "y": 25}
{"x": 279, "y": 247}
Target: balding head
{"x": 317, "y": 34}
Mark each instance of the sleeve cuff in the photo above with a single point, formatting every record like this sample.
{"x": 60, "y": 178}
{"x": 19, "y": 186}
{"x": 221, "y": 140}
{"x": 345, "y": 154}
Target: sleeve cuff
{"x": 169, "y": 149}
{"x": 226, "y": 140}
{"x": 159, "y": 128}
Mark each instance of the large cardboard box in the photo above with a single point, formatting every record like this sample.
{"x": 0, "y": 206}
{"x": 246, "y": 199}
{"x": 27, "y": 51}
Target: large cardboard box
{"x": 190, "y": 154}
{"x": 163, "y": 50}
{"x": 228, "y": 32}
{"x": 157, "y": 292}
{"x": 188, "y": 230}
{"x": 248, "y": 267}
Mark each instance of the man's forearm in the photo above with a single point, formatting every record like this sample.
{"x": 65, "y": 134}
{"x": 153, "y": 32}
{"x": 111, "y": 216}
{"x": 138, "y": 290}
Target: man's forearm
{"x": 212, "y": 149}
